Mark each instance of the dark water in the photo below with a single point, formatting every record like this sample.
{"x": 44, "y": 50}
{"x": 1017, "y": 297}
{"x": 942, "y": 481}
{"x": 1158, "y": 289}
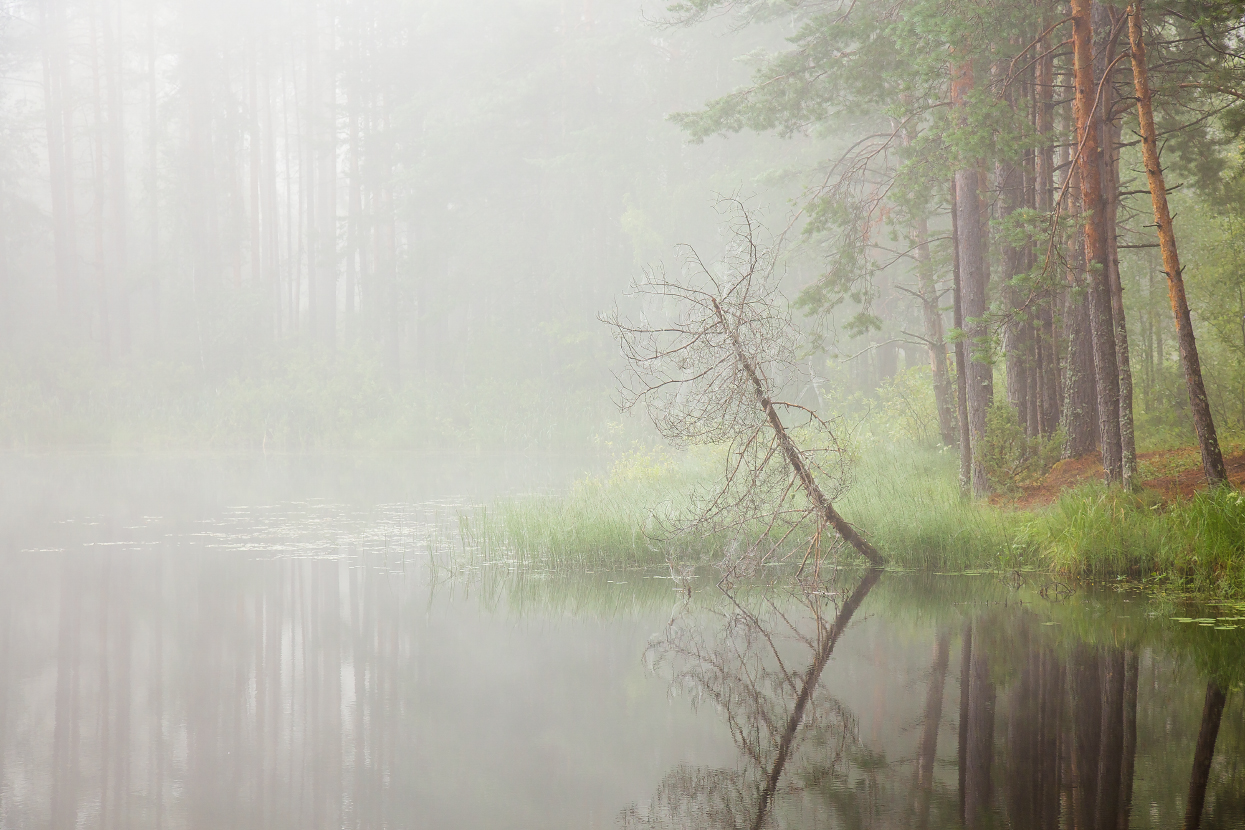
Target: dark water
{"x": 272, "y": 644}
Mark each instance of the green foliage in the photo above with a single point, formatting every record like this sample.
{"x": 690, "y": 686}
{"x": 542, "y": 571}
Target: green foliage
{"x": 1198, "y": 544}
{"x": 907, "y": 501}
{"x": 903, "y": 409}
{"x": 1011, "y": 457}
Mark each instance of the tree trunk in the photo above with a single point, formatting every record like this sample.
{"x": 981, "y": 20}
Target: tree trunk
{"x": 116, "y": 183}
{"x": 57, "y": 95}
{"x": 1105, "y": 19}
{"x": 1044, "y": 173}
{"x": 961, "y": 362}
{"x": 971, "y": 243}
{"x": 153, "y": 172}
{"x": 327, "y": 159}
{"x": 1080, "y": 397}
{"x": 1208, "y": 441}
{"x": 1017, "y": 344}
{"x": 934, "y": 337}
{"x": 100, "y": 192}
{"x": 1212, "y": 713}
{"x": 1089, "y": 142}
{"x": 795, "y": 458}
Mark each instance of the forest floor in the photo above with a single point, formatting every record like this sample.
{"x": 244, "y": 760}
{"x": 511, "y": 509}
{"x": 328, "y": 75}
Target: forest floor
{"x": 1173, "y": 474}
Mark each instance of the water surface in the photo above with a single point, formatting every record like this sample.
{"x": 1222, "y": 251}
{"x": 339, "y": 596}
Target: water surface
{"x": 259, "y": 643}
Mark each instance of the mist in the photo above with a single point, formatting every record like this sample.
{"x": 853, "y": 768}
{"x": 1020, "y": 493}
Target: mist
{"x": 687, "y": 414}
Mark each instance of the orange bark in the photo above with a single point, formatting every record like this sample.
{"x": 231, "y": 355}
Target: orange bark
{"x": 1208, "y": 441}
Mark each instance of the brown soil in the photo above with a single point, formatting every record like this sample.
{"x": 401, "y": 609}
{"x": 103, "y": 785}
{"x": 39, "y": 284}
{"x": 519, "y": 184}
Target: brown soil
{"x": 1180, "y": 476}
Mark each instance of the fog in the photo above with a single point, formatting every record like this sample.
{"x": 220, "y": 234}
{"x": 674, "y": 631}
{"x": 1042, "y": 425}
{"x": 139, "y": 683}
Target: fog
{"x": 328, "y": 333}
{"x": 283, "y": 226}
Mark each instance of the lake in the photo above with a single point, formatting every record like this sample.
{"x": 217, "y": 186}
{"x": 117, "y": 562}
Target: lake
{"x": 244, "y": 642}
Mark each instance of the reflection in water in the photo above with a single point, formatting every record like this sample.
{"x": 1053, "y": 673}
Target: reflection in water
{"x": 763, "y": 672}
{"x": 175, "y": 686}
{"x": 215, "y": 690}
{"x": 1047, "y": 727}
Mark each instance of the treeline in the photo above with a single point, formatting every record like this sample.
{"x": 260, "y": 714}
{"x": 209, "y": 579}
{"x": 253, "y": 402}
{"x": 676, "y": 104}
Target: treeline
{"x": 1007, "y": 174}
{"x": 277, "y": 220}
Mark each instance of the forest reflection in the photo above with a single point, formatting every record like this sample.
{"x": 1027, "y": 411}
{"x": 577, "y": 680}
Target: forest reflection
{"x": 219, "y": 690}
{"x": 1046, "y": 734}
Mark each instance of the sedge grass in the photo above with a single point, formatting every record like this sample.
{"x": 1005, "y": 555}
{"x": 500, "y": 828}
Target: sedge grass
{"x": 907, "y": 501}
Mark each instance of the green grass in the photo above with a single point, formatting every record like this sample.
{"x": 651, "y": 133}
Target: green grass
{"x": 907, "y": 501}
{"x": 609, "y": 522}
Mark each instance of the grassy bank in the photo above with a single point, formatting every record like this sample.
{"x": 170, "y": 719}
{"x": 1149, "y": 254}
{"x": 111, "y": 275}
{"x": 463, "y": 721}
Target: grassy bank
{"x": 907, "y": 500}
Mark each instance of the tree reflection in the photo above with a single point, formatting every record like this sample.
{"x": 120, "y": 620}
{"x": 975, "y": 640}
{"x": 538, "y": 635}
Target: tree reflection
{"x": 761, "y": 667}
{"x": 148, "y": 691}
{"x": 1047, "y": 727}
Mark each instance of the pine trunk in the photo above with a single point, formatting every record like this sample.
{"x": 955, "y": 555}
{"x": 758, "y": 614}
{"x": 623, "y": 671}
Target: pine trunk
{"x": 961, "y": 362}
{"x": 1105, "y": 19}
{"x": 1089, "y": 143}
{"x": 970, "y": 242}
{"x": 1208, "y": 441}
{"x": 934, "y": 337}
{"x": 1047, "y": 352}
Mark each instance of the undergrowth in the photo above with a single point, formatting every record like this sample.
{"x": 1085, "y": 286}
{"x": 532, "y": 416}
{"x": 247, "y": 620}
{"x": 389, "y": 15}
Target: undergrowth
{"x": 907, "y": 501}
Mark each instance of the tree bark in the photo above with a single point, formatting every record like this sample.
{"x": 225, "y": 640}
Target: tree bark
{"x": 1044, "y": 174}
{"x": 934, "y": 336}
{"x": 1203, "y": 423}
{"x": 1089, "y": 142}
{"x": 961, "y": 362}
{"x": 825, "y": 508}
{"x": 970, "y": 232}
{"x": 1080, "y": 397}
{"x": 1017, "y": 342}
{"x": 1105, "y": 18}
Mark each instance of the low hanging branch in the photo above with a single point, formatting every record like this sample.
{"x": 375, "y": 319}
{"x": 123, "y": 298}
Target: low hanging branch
{"x": 706, "y": 374}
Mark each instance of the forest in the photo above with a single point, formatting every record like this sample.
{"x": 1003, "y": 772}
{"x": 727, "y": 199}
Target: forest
{"x": 354, "y": 224}
{"x": 372, "y": 223}
{"x": 1003, "y": 230}
{"x": 634, "y": 413}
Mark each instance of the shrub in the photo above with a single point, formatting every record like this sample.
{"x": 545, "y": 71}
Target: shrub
{"x": 1012, "y": 458}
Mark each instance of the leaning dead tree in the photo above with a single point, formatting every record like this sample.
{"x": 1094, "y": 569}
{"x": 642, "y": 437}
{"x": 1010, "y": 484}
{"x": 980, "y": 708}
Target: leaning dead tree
{"x": 706, "y": 359}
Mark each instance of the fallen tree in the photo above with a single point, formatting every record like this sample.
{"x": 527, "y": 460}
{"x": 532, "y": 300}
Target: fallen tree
{"x": 708, "y": 371}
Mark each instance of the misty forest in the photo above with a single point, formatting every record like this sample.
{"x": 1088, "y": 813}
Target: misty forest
{"x": 684, "y": 414}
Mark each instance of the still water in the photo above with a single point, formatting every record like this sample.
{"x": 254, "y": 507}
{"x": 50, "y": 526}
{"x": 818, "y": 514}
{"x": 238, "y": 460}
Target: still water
{"x": 249, "y": 643}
